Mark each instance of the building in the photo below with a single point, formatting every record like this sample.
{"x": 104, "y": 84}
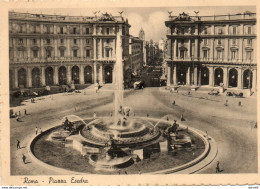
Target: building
{"x": 142, "y": 37}
{"x": 162, "y": 45}
{"x": 136, "y": 53}
{"x": 152, "y": 51}
{"x": 60, "y": 50}
{"x": 212, "y": 50}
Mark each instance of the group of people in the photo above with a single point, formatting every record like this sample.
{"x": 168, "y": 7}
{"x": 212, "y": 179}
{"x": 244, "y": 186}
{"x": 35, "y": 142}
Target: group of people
{"x": 38, "y": 131}
{"x": 18, "y": 115}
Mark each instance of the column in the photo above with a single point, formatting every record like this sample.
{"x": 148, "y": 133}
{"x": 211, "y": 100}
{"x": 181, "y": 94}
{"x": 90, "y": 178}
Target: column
{"x": 174, "y": 49}
{"x": 188, "y": 76}
{"x": 41, "y": 28}
{"x": 15, "y": 78}
{"x": 42, "y": 49}
{"x": 239, "y": 78}
{"x": 55, "y": 48}
{"x": 240, "y": 50}
{"x": 188, "y": 55}
{"x": 195, "y": 75}
{"x": 95, "y": 72}
{"x": 226, "y": 49}
{"x": 196, "y": 49}
{"x": 55, "y": 29}
{"x": 175, "y": 82}
{"x": 68, "y": 75}
{"x": 114, "y": 74}
{"x": 29, "y": 77}
{"x": 28, "y": 49}
{"x": 100, "y": 49}
{"x": 101, "y": 74}
{"x": 95, "y": 48}
{"x": 211, "y": 49}
{"x": 56, "y": 75}
{"x": 68, "y": 48}
{"x": 168, "y": 75}
{"x": 169, "y": 48}
{"x": 225, "y": 77}
{"x": 211, "y": 77}
{"x": 81, "y": 48}
{"x": 43, "y": 76}
{"x": 114, "y": 48}
{"x": 81, "y": 75}
{"x": 199, "y": 78}
{"x": 254, "y": 85}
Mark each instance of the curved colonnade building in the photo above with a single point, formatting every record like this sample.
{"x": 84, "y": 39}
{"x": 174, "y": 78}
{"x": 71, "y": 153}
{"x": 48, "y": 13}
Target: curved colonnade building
{"x": 60, "y": 50}
{"x": 212, "y": 50}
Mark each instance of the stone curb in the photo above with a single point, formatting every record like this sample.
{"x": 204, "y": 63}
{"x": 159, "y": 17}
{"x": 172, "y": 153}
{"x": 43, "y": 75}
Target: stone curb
{"x": 167, "y": 171}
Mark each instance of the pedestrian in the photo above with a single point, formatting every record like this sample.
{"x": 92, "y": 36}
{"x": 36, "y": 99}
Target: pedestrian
{"x": 24, "y": 159}
{"x": 17, "y": 118}
{"x": 173, "y": 103}
{"x": 239, "y": 103}
{"x": 255, "y": 125}
{"x": 206, "y": 135}
{"x": 182, "y": 118}
{"x": 94, "y": 115}
{"x": 40, "y": 131}
{"x": 167, "y": 118}
{"x": 18, "y": 144}
{"x": 177, "y": 91}
{"x": 226, "y": 104}
{"x": 111, "y": 114}
{"x": 25, "y": 112}
{"x": 217, "y": 168}
{"x": 147, "y": 115}
{"x": 36, "y": 130}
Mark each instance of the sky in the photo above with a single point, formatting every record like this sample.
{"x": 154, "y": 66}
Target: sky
{"x": 150, "y": 19}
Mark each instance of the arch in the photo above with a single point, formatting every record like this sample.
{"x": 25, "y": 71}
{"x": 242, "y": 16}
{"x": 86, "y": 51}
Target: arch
{"x": 11, "y": 79}
{"x": 232, "y": 77}
{"x": 49, "y": 76}
{"x": 181, "y": 75}
{"x": 108, "y": 74}
{"x": 36, "y": 78}
{"x": 75, "y": 74}
{"x": 204, "y": 76}
{"x": 88, "y": 74}
{"x": 22, "y": 78}
{"x": 62, "y": 75}
{"x": 218, "y": 76}
{"x": 247, "y": 79}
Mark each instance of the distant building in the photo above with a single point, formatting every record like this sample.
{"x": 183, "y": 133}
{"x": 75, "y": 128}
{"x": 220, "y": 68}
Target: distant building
{"x": 162, "y": 45}
{"x": 212, "y": 50}
{"x": 59, "y": 50}
{"x": 142, "y": 37}
{"x": 152, "y": 51}
{"x": 136, "y": 53}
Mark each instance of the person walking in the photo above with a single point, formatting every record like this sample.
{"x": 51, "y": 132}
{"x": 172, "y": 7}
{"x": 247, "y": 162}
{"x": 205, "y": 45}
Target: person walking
{"x": 24, "y": 159}
{"x": 226, "y": 104}
{"x": 40, "y": 131}
{"x": 217, "y": 168}
{"x": 239, "y": 103}
{"x": 94, "y": 115}
{"x": 36, "y": 130}
{"x": 25, "y": 112}
{"x": 173, "y": 103}
{"x": 18, "y": 144}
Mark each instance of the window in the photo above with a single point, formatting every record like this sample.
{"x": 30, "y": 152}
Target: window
{"x": 234, "y": 30}
{"x": 20, "y": 29}
{"x": 205, "y": 30}
{"x": 87, "y": 53}
{"x": 48, "y": 29}
{"x": 75, "y": 41}
{"x": 48, "y": 41}
{"x": 35, "y": 53}
{"x": 249, "y": 30}
{"x": 87, "y": 30}
{"x": 205, "y": 54}
{"x": 219, "y": 54}
{"x": 219, "y": 41}
{"x": 75, "y": 53}
{"x": 107, "y": 53}
{"x": 20, "y": 42}
{"x": 61, "y": 41}
{"x": 62, "y": 53}
{"x": 107, "y": 40}
{"x": 61, "y": 30}
{"x": 48, "y": 53}
{"x": 234, "y": 42}
{"x": 220, "y": 31}
{"x": 249, "y": 42}
{"x": 182, "y": 30}
{"x": 233, "y": 55}
{"x": 107, "y": 30}
{"x": 34, "y": 29}
{"x": 248, "y": 55}
{"x": 87, "y": 41}
{"x": 205, "y": 41}
{"x": 34, "y": 41}
{"x": 74, "y": 30}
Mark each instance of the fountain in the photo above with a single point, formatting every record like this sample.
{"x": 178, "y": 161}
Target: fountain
{"x": 121, "y": 140}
